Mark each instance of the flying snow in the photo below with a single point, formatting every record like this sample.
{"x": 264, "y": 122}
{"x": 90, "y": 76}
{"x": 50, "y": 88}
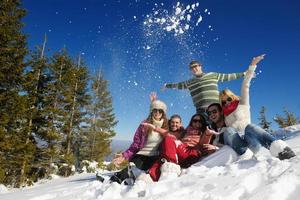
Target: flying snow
{"x": 179, "y": 20}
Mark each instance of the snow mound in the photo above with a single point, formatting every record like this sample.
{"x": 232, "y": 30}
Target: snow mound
{"x": 3, "y": 189}
{"x": 264, "y": 178}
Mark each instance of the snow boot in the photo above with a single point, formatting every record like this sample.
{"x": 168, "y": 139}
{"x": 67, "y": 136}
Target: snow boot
{"x": 133, "y": 172}
{"x": 100, "y": 178}
{"x": 281, "y": 150}
{"x": 247, "y": 155}
{"x": 139, "y": 187}
{"x": 169, "y": 170}
{"x": 287, "y": 153}
{"x": 126, "y": 175}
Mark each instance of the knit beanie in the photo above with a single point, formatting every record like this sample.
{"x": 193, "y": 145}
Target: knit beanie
{"x": 157, "y": 104}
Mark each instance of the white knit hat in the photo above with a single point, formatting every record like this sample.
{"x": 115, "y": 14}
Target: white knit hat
{"x": 157, "y": 104}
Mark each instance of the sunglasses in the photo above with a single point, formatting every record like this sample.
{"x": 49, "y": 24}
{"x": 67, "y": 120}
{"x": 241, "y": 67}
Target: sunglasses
{"x": 196, "y": 120}
{"x": 193, "y": 66}
{"x": 210, "y": 112}
{"x": 158, "y": 110}
{"x": 229, "y": 99}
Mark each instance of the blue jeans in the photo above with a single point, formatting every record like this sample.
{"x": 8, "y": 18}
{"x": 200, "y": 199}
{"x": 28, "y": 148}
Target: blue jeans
{"x": 254, "y": 138}
{"x": 233, "y": 139}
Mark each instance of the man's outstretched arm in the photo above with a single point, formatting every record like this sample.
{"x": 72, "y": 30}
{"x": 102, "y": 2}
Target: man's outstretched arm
{"x": 229, "y": 77}
{"x": 181, "y": 85}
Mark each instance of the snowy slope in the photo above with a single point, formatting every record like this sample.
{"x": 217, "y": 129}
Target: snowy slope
{"x": 288, "y": 132}
{"x": 266, "y": 178}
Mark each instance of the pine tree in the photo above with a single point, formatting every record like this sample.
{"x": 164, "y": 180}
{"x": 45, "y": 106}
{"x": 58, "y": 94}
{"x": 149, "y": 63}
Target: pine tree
{"x": 101, "y": 122}
{"x": 280, "y": 121}
{"x": 289, "y": 120}
{"x": 75, "y": 99}
{"x": 39, "y": 87}
{"x": 13, "y": 134}
{"x": 263, "y": 120}
{"x": 61, "y": 64}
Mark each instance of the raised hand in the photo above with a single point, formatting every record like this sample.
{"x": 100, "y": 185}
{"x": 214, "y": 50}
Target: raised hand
{"x": 257, "y": 59}
{"x": 153, "y": 96}
{"x": 211, "y": 132}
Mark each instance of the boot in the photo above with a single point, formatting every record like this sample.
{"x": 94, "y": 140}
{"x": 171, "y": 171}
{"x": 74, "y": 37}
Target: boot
{"x": 127, "y": 175}
{"x": 280, "y": 150}
{"x": 287, "y": 153}
{"x": 133, "y": 172}
{"x": 169, "y": 170}
{"x": 100, "y": 178}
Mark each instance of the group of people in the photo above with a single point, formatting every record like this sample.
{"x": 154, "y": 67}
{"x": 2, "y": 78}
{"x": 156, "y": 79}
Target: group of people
{"x": 219, "y": 133}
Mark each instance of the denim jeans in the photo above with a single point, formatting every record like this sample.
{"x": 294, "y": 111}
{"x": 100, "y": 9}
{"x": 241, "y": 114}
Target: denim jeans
{"x": 256, "y": 137}
{"x": 233, "y": 139}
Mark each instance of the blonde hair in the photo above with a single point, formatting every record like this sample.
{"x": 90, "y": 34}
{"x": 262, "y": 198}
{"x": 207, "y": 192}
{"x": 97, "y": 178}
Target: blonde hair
{"x": 227, "y": 93}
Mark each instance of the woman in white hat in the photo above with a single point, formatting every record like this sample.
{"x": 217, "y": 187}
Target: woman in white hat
{"x": 143, "y": 151}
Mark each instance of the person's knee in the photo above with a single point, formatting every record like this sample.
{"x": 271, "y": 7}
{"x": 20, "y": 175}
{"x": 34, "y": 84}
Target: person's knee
{"x": 248, "y": 128}
{"x": 253, "y": 128}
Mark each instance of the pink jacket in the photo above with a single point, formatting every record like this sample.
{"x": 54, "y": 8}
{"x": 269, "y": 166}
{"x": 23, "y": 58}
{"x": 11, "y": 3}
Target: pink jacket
{"x": 139, "y": 140}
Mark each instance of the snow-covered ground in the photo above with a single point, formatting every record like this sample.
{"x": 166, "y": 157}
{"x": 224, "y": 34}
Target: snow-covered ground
{"x": 266, "y": 178}
{"x": 288, "y": 132}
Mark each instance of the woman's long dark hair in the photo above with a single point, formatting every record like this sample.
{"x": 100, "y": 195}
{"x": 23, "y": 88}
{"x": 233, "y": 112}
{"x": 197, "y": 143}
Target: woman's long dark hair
{"x": 165, "y": 124}
{"x": 203, "y": 122}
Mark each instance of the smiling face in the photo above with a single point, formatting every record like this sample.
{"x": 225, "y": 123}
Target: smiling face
{"x": 214, "y": 114}
{"x": 196, "y": 69}
{"x": 175, "y": 124}
{"x": 226, "y": 100}
{"x": 227, "y": 97}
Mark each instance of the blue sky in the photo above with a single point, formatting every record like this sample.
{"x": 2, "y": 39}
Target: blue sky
{"x": 138, "y": 54}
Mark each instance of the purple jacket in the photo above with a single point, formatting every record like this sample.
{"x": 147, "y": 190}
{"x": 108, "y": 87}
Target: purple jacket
{"x": 139, "y": 141}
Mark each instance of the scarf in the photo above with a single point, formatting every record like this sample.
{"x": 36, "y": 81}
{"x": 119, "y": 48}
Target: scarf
{"x": 227, "y": 110}
{"x": 158, "y": 123}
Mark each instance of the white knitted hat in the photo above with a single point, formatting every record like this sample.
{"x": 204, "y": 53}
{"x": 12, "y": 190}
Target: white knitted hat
{"x": 157, "y": 104}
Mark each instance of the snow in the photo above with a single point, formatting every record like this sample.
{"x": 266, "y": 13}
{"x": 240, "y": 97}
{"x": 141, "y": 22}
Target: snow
{"x": 288, "y": 132}
{"x": 175, "y": 21}
{"x": 199, "y": 20}
{"x": 3, "y": 189}
{"x": 264, "y": 178}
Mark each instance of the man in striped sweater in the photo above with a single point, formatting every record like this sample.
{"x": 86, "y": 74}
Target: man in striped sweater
{"x": 203, "y": 87}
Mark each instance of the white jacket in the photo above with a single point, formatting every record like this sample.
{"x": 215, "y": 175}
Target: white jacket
{"x": 241, "y": 117}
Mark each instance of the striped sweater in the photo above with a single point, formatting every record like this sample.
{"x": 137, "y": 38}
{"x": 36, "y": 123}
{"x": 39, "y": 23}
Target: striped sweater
{"x": 204, "y": 88}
